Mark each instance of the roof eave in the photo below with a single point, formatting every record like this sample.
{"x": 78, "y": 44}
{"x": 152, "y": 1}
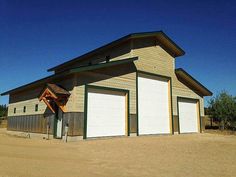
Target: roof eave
{"x": 203, "y": 90}
{"x": 75, "y": 70}
{"x": 180, "y": 52}
{"x": 103, "y": 65}
{"x": 91, "y": 52}
{"x": 40, "y": 81}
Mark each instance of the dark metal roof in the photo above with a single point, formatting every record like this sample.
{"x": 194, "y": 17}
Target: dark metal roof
{"x": 120, "y": 40}
{"x": 57, "y": 89}
{"x": 40, "y": 81}
{"x": 103, "y": 65}
{"x": 191, "y": 82}
{"x": 74, "y": 70}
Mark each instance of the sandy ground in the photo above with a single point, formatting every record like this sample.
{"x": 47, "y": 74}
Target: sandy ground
{"x": 224, "y": 132}
{"x": 192, "y": 155}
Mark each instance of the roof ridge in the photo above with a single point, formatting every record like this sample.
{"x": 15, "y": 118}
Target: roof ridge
{"x": 117, "y": 41}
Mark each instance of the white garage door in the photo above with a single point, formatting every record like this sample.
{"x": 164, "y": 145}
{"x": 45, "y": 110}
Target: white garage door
{"x": 106, "y": 114}
{"x": 153, "y": 106}
{"x": 188, "y": 116}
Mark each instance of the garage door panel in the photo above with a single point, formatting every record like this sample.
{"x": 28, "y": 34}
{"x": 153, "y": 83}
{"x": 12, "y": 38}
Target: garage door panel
{"x": 188, "y": 116}
{"x": 153, "y": 102}
{"x": 105, "y": 115}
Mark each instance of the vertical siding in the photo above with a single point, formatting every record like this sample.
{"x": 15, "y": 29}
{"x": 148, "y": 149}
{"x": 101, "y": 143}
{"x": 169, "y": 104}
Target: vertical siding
{"x": 31, "y": 123}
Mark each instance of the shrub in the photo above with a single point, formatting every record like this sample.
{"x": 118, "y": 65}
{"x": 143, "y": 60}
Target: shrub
{"x": 223, "y": 109}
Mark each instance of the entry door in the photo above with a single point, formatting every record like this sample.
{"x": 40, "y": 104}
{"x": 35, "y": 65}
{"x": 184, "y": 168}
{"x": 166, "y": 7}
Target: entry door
{"x": 59, "y": 123}
{"x": 188, "y": 116}
{"x": 153, "y": 105}
{"x": 106, "y": 114}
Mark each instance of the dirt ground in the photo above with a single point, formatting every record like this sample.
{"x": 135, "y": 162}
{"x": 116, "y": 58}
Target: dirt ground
{"x": 191, "y": 155}
{"x": 224, "y": 132}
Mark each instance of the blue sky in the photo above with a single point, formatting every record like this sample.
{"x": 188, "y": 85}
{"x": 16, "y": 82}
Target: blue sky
{"x": 37, "y": 35}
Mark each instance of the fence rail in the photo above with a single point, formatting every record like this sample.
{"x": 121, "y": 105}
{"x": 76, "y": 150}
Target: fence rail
{"x": 3, "y": 118}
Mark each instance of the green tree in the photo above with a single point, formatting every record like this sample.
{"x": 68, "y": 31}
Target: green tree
{"x": 232, "y": 119}
{"x": 223, "y": 108}
{"x": 3, "y": 110}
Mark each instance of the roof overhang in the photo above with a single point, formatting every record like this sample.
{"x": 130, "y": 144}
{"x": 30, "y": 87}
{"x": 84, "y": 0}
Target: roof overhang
{"x": 35, "y": 83}
{"x": 163, "y": 39}
{"x": 192, "y": 83}
{"x": 103, "y": 65}
{"x": 71, "y": 71}
{"x": 53, "y": 93}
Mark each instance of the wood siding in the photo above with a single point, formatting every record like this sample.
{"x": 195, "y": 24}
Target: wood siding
{"x": 115, "y": 53}
{"x": 29, "y": 98}
{"x": 154, "y": 59}
{"x": 37, "y": 123}
{"x": 124, "y": 78}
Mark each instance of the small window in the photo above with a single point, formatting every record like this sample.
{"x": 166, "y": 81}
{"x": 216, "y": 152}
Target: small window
{"x": 36, "y": 107}
{"x": 24, "y": 109}
{"x": 14, "y": 110}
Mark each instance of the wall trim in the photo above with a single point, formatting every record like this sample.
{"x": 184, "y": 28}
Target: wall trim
{"x": 153, "y": 74}
{"x": 171, "y": 104}
{"x": 199, "y": 113}
{"x": 137, "y": 103}
{"x": 85, "y": 110}
{"x": 169, "y": 79}
{"x": 104, "y": 88}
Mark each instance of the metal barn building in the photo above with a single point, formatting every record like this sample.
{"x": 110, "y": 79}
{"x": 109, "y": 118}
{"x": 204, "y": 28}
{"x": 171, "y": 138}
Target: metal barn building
{"x": 129, "y": 86}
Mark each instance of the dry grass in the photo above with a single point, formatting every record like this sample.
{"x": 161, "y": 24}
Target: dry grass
{"x": 221, "y": 132}
{"x": 192, "y": 155}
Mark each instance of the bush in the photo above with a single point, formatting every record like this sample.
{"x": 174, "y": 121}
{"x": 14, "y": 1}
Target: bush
{"x": 3, "y": 110}
{"x": 223, "y": 109}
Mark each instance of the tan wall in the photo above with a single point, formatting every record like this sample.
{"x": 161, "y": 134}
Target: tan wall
{"x": 29, "y": 98}
{"x": 154, "y": 59}
{"x": 115, "y": 78}
{"x": 127, "y": 82}
{"x": 30, "y": 107}
{"x": 185, "y": 93}
{"x": 79, "y": 97}
{"x": 118, "y": 52}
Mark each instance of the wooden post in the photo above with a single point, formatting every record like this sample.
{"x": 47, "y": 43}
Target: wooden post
{"x": 170, "y": 108}
{"x": 47, "y": 131}
{"x": 66, "y": 131}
